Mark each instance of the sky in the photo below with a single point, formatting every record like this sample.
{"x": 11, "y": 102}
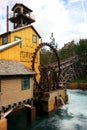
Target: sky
{"x": 66, "y": 19}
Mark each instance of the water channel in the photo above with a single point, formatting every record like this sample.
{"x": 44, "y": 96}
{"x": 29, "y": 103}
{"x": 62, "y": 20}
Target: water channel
{"x": 72, "y": 116}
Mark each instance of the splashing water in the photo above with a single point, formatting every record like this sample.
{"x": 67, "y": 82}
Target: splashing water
{"x": 62, "y": 101}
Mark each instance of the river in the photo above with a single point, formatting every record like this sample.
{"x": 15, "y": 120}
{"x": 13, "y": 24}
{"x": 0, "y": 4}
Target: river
{"x": 72, "y": 116}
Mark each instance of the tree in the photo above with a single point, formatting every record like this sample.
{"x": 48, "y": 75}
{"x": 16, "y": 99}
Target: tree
{"x": 47, "y": 56}
{"x": 81, "y": 51}
{"x": 67, "y": 51}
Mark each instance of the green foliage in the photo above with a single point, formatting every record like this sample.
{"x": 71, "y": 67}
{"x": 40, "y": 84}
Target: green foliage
{"x": 70, "y": 49}
{"x": 67, "y": 51}
{"x": 81, "y": 80}
{"x": 81, "y": 51}
{"x": 47, "y": 56}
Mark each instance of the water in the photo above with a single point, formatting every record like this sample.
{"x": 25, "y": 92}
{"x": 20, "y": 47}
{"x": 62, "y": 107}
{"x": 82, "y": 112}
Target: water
{"x": 62, "y": 101}
{"x": 72, "y": 116}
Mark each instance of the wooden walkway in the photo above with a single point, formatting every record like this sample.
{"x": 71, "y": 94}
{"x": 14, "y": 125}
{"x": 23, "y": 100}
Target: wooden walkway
{"x": 70, "y": 69}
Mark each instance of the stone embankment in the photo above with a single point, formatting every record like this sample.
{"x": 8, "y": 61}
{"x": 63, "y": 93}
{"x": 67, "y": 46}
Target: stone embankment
{"x": 82, "y": 86}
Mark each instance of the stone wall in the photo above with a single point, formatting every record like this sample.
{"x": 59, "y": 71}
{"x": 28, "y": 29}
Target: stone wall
{"x": 82, "y": 86}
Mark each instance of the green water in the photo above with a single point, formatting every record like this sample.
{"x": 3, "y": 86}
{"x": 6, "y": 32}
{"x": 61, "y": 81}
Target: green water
{"x": 72, "y": 116}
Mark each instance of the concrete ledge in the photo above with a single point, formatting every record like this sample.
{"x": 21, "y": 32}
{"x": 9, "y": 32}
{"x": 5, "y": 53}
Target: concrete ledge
{"x": 49, "y": 101}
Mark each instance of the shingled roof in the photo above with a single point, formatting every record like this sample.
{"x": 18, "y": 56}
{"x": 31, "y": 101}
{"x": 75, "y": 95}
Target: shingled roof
{"x": 9, "y": 67}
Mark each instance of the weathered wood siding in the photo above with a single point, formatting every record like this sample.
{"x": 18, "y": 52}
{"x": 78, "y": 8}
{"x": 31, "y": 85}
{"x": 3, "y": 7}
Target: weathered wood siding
{"x": 12, "y": 92}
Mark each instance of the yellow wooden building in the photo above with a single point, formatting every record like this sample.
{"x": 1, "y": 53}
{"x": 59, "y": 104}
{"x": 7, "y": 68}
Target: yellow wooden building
{"x": 16, "y": 54}
{"x": 20, "y": 43}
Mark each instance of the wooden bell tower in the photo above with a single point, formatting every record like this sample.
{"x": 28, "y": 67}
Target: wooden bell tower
{"x": 21, "y": 16}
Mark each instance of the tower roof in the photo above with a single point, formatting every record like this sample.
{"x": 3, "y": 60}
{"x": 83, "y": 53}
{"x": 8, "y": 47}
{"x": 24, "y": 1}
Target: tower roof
{"x": 20, "y": 4}
{"x": 21, "y": 16}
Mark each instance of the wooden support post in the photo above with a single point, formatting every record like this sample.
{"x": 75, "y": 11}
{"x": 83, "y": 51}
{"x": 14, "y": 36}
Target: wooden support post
{"x": 3, "y": 124}
{"x": 0, "y": 114}
{"x": 33, "y": 113}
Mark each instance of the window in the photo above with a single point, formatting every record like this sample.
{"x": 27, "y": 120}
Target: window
{"x": 4, "y": 40}
{"x": 18, "y": 38}
{"x": 34, "y": 38}
{"x": 25, "y": 82}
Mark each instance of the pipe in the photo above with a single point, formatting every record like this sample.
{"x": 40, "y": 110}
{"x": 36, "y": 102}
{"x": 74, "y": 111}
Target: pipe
{"x": 7, "y": 19}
